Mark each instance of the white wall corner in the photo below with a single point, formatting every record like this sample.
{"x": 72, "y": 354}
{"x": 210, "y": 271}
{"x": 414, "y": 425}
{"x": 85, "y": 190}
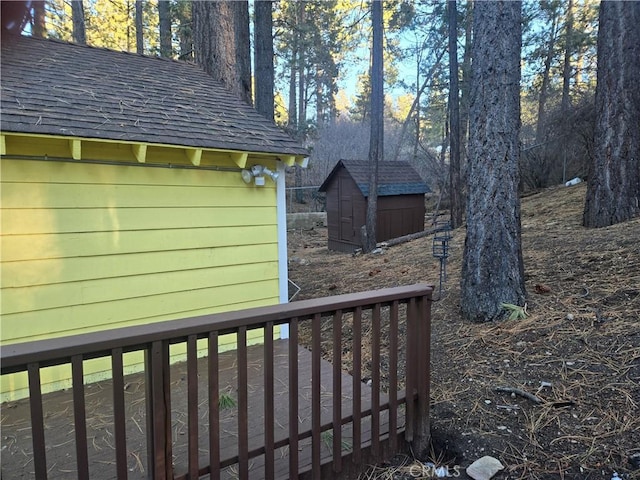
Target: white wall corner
{"x": 283, "y": 270}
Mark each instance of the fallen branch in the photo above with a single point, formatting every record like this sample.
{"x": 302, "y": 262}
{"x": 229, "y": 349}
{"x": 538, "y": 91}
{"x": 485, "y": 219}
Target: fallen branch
{"x": 522, "y": 393}
{"x": 407, "y": 238}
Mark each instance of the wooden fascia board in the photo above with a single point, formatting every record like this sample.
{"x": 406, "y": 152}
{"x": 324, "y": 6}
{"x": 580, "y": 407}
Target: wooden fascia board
{"x": 140, "y": 152}
{"x": 240, "y": 158}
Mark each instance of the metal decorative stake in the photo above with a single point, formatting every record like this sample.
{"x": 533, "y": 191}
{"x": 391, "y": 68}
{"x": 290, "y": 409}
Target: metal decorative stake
{"x": 441, "y": 250}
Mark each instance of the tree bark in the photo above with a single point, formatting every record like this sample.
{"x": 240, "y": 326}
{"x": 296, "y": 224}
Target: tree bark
{"x": 302, "y": 81}
{"x": 544, "y": 89}
{"x": 293, "y": 73}
{"x": 466, "y": 85}
{"x": 221, "y": 44}
{"x": 183, "y": 16}
{"x": 613, "y": 192}
{"x": 566, "y": 69}
{"x": 293, "y": 96}
{"x": 376, "y": 142}
{"x": 39, "y": 25}
{"x": 263, "y": 60}
{"x": 455, "y": 182}
{"x": 139, "y": 28}
{"x": 319, "y": 94}
{"x": 492, "y": 267}
{"x": 416, "y": 140}
{"x": 77, "y": 14}
{"x": 164, "y": 17}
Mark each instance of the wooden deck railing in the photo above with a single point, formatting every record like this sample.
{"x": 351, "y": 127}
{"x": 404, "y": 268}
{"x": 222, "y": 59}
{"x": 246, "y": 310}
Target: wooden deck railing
{"x": 397, "y": 320}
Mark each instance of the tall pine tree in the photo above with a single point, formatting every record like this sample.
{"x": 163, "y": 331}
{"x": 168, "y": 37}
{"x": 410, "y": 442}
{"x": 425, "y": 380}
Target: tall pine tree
{"x": 492, "y": 267}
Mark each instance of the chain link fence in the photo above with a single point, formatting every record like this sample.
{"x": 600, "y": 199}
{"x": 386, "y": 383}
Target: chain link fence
{"x": 305, "y": 199}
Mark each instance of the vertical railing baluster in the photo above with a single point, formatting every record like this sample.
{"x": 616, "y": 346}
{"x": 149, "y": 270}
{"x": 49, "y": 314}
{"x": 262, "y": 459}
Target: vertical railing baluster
{"x": 357, "y": 385}
{"x": 192, "y": 405}
{"x": 79, "y": 417}
{"x": 37, "y": 421}
{"x": 269, "y": 411}
{"x": 161, "y": 411}
{"x": 214, "y": 409}
{"x": 148, "y": 402}
{"x": 393, "y": 376}
{"x": 337, "y": 391}
{"x": 166, "y": 380}
{"x": 119, "y": 415}
{"x": 315, "y": 394}
{"x": 293, "y": 399}
{"x": 375, "y": 381}
{"x": 411, "y": 360}
{"x": 243, "y": 408}
{"x": 423, "y": 348}
{"x": 427, "y": 342}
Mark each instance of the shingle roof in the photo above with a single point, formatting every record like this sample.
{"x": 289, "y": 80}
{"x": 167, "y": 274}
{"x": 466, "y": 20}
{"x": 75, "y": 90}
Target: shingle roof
{"x": 394, "y": 178}
{"x": 58, "y": 88}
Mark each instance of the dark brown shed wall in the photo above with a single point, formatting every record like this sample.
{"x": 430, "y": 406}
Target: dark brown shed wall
{"x": 346, "y": 213}
{"x": 399, "y": 215}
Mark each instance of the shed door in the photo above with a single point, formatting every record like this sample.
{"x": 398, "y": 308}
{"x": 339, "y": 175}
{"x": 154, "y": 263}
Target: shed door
{"x": 345, "y": 210}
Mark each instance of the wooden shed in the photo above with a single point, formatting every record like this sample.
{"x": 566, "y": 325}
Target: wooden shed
{"x": 124, "y": 195}
{"x": 401, "y": 207}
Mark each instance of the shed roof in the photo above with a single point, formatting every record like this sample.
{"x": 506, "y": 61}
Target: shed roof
{"x": 394, "y": 178}
{"x": 58, "y": 88}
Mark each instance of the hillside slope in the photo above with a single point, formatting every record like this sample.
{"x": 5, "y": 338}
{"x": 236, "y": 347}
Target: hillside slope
{"x": 578, "y": 350}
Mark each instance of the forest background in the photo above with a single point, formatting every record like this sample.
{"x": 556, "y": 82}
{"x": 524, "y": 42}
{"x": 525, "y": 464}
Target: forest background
{"x": 322, "y": 87}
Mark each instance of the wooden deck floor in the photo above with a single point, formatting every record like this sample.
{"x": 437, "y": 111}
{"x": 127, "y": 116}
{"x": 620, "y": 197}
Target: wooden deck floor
{"x": 17, "y": 461}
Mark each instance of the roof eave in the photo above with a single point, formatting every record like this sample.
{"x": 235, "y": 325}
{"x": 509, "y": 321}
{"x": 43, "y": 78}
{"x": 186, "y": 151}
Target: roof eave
{"x": 138, "y": 150}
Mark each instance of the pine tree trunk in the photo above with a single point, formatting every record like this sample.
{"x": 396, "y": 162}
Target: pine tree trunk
{"x": 455, "y": 183}
{"x": 263, "y": 60}
{"x": 301, "y": 60}
{"x": 492, "y": 267}
{"x": 320, "y": 104}
{"x": 139, "y": 28}
{"x": 77, "y": 14}
{"x": 185, "y": 32}
{"x": 293, "y": 82}
{"x": 466, "y": 85}
{"x": 302, "y": 81}
{"x": 164, "y": 18}
{"x": 39, "y": 24}
{"x": 416, "y": 140}
{"x": 544, "y": 89}
{"x": 566, "y": 70}
{"x": 613, "y": 193}
{"x": 376, "y": 141}
{"x": 302, "y": 90}
{"x": 293, "y": 103}
{"x": 243, "y": 49}
{"x": 221, "y": 44}
{"x": 331, "y": 86}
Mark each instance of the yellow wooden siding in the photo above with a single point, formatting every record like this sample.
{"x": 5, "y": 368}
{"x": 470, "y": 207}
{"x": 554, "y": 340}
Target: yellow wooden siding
{"x": 87, "y": 247}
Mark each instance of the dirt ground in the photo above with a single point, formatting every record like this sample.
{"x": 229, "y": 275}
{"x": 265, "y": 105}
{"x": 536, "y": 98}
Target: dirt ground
{"x": 578, "y": 351}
